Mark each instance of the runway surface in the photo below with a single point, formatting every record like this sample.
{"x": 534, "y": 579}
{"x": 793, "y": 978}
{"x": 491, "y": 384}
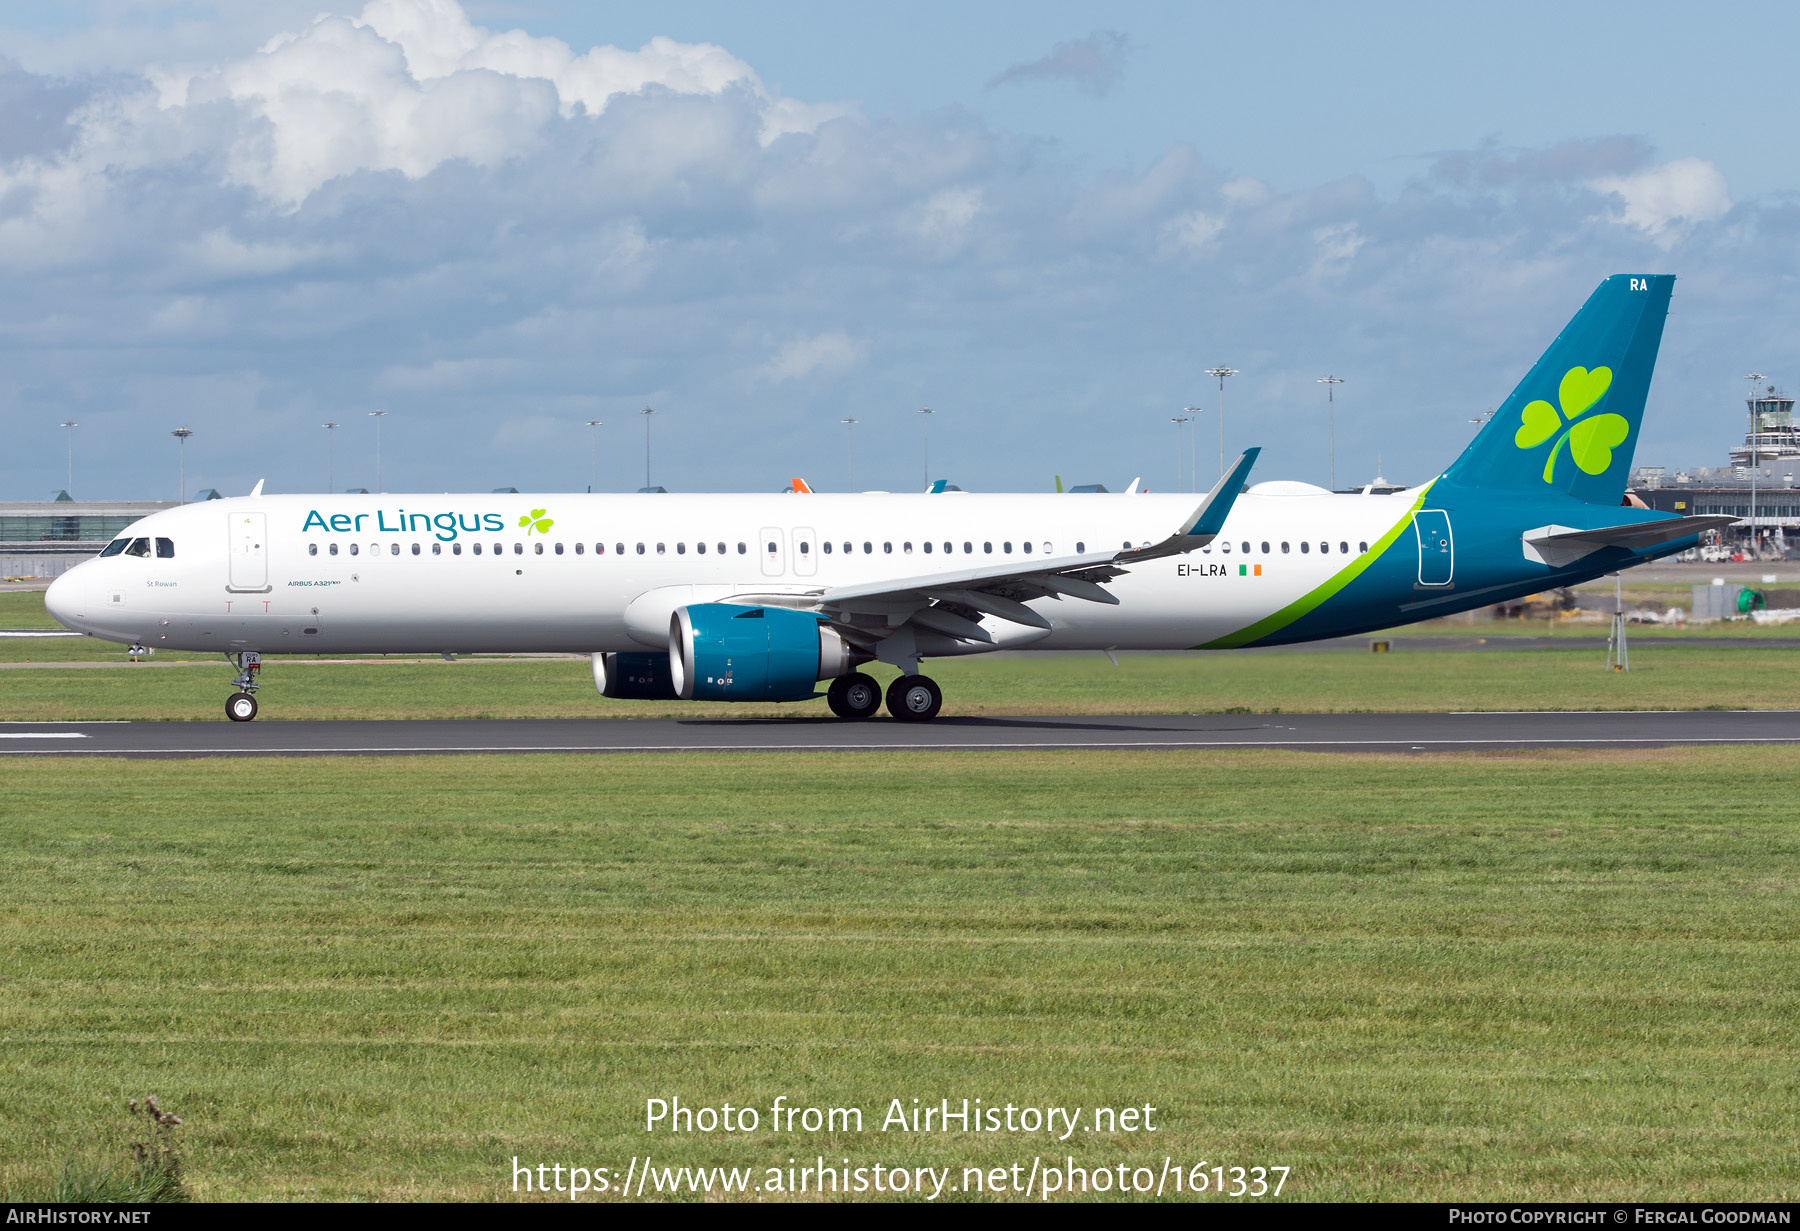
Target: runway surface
{"x": 1316, "y": 732}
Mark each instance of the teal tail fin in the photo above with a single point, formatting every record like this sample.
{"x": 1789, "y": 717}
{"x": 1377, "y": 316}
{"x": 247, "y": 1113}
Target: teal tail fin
{"x": 1572, "y": 424}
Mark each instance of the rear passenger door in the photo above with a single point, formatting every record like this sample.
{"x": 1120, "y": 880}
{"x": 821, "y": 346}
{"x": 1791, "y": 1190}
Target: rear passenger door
{"x": 1437, "y": 553}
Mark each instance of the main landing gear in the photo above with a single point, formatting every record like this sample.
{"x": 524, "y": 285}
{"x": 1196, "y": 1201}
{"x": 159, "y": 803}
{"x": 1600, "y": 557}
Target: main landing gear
{"x": 854, "y": 696}
{"x": 911, "y": 698}
{"x": 241, "y": 707}
{"x": 915, "y": 698}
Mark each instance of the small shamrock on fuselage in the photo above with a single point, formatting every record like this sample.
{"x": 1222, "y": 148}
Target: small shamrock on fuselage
{"x": 535, "y": 520}
{"x": 1592, "y": 440}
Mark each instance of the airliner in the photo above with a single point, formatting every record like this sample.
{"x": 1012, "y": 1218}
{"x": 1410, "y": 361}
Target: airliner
{"x": 764, "y": 597}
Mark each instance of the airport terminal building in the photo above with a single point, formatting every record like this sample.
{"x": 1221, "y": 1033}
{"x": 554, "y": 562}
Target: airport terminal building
{"x": 1762, "y": 472}
{"x": 47, "y": 538}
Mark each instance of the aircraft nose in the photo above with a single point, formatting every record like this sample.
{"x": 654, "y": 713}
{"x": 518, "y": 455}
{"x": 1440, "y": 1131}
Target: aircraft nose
{"x": 63, "y": 600}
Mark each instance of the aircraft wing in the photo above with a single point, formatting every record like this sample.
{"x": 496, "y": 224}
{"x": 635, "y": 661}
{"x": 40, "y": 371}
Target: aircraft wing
{"x": 952, "y": 602}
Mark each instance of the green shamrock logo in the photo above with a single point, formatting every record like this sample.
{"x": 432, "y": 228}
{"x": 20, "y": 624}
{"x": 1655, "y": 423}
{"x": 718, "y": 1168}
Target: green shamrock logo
{"x": 535, "y": 520}
{"x": 1592, "y": 440}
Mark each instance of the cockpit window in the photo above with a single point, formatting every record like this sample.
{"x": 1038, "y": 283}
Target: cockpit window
{"x": 165, "y": 549}
{"x": 139, "y": 547}
{"x": 114, "y": 548}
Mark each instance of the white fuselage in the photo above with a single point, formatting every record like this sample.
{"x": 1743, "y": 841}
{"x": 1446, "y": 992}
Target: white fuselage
{"x": 393, "y": 573}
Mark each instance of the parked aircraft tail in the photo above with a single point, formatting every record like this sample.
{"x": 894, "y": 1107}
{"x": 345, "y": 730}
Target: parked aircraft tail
{"x": 1572, "y": 424}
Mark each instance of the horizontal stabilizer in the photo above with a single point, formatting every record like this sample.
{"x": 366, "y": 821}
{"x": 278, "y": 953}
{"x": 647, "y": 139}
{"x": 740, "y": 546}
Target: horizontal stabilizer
{"x": 1560, "y": 545}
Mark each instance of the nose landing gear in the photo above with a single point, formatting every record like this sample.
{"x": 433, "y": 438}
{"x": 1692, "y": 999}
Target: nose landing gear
{"x": 241, "y": 706}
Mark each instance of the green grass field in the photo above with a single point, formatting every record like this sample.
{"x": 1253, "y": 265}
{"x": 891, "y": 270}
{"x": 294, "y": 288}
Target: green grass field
{"x": 1663, "y": 677}
{"x": 1561, "y": 976}
{"x": 1666, "y": 675}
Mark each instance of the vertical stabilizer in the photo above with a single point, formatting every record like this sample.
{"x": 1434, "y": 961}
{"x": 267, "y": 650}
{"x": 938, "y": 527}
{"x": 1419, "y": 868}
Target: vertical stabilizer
{"x": 1572, "y": 424}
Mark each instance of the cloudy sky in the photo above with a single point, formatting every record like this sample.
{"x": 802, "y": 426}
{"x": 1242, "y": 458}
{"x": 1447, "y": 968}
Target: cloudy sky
{"x": 1043, "y": 220}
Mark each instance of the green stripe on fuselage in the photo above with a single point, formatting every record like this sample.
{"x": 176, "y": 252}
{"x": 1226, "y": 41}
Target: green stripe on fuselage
{"x": 1310, "y": 601}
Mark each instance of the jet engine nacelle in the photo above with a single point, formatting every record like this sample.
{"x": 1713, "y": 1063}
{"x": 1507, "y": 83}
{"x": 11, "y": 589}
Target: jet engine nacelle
{"x": 721, "y": 652}
{"x": 633, "y": 677}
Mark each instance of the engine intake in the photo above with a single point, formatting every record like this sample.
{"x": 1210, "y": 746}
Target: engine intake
{"x": 633, "y": 677}
{"x": 721, "y": 652}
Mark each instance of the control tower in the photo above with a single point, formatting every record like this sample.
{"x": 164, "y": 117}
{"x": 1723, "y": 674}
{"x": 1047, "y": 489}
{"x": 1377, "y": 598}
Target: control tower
{"x": 1774, "y": 438}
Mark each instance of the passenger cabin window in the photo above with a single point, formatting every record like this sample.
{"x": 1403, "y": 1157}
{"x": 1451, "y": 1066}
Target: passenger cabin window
{"x": 988, "y": 548}
{"x": 1363, "y": 548}
{"x": 827, "y": 546}
{"x": 1081, "y": 548}
{"x": 394, "y": 549}
{"x": 927, "y": 546}
{"x": 806, "y": 549}
{"x": 1246, "y": 547}
{"x": 537, "y": 549}
{"x": 640, "y": 549}
{"x": 332, "y": 549}
{"x": 580, "y": 548}
{"x": 1284, "y": 549}
{"x": 477, "y": 549}
{"x": 681, "y": 549}
{"x": 519, "y": 549}
{"x": 1224, "y": 547}
{"x": 165, "y": 549}
{"x": 721, "y": 549}
{"x": 415, "y": 549}
{"x": 868, "y": 549}
{"x": 661, "y": 549}
{"x": 700, "y": 547}
{"x": 949, "y": 547}
{"x": 906, "y": 548}
{"x": 354, "y": 549}
{"x": 1026, "y": 547}
{"x": 437, "y": 549}
{"x": 888, "y": 548}
{"x": 456, "y": 549}
{"x": 1006, "y": 547}
{"x": 772, "y": 548}
{"x": 1305, "y": 548}
{"x": 115, "y": 547}
{"x": 1265, "y": 548}
{"x": 743, "y": 550}
{"x": 312, "y": 549}
{"x": 1344, "y": 548}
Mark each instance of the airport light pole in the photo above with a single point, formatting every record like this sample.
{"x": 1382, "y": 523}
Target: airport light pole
{"x": 1755, "y": 464}
{"x": 71, "y": 425}
{"x": 378, "y": 416}
{"x": 181, "y": 434}
{"x": 1331, "y": 383}
{"x": 1221, "y": 372}
{"x": 594, "y": 468}
{"x": 330, "y": 456}
{"x": 1193, "y": 413}
{"x": 849, "y": 454}
{"x": 925, "y": 420}
{"x": 646, "y": 412}
{"x": 1178, "y": 420}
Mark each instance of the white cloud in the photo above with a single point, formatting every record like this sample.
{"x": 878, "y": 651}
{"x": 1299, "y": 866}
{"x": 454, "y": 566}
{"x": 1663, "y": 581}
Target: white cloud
{"x": 412, "y": 84}
{"x": 827, "y": 352}
{"x": 1656, "y": 199}
{"x": 1195, "y": 231}
{"x": 1337, "y": 247}
{"x": 943, "y": 221}
{"x": 1095, "y": 63}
